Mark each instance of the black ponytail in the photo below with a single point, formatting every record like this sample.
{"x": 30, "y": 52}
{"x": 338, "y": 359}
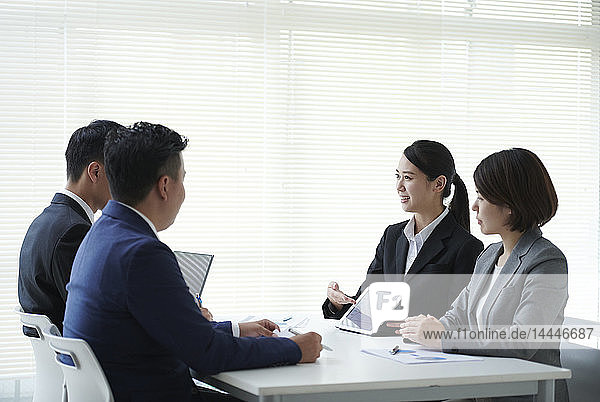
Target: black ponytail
{"x": 459, "y": 205}
{"x": 435, "y": 160}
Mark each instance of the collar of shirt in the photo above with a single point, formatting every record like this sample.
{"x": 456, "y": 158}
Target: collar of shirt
{"x": 421, "y": 237}
{"x": 80, "y": 201}
{"x": 144, "y": 217}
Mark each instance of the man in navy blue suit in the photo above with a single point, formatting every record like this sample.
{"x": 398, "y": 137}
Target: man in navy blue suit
{"x": 127, "y": 297}
{"x": 54, "y": 236}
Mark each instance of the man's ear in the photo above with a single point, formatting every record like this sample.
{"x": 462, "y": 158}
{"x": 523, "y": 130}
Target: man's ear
{"x": 439, "y": 183}
{"x": 93, "y": 171}
{"x": 163, "y": 186}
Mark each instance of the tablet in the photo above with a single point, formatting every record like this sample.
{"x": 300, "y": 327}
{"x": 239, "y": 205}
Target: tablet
{"x": 380, "y": 303}
{"x": 358, "y": 317}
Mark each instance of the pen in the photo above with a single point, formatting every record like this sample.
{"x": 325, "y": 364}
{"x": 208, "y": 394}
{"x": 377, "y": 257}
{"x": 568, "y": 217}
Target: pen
{"x": 293, "y": 331}
{"x": 397, "y": 350}
{"x": 198, "y": 299}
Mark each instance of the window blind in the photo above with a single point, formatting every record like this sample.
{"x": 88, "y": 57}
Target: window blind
{"x": 297, "y": 114}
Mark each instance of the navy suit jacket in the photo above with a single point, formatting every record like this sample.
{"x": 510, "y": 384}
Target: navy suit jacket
{"x": 128, "y": 300}
{"x": 449, "y": 249}
{"x": 47, "y": 256}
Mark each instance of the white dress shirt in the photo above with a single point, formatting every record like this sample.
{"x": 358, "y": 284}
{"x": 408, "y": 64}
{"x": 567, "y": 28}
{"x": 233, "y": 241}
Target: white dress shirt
{"x": 416, "y": 241}
{"x": 80, "y": 201}
{"x": 485, "y": 294}
{"x": 235, "y": 326}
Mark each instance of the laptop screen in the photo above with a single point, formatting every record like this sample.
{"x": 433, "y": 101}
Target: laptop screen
{"x": 194, "y": 268}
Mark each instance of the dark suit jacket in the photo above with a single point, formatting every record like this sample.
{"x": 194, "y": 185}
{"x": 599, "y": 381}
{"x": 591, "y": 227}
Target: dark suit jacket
{"x": 47, "y": 256}
{"x": 129, "y": 301}
{"x": 449, "y": 249}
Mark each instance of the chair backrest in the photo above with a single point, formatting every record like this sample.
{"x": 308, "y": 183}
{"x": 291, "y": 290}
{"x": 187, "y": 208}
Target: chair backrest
{"x": 49, "y": 379}
{"x": 83, "y": 374}
{"x": 583, "y": 363}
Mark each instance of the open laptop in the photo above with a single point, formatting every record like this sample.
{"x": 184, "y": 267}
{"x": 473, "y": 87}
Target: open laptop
{"x": 379, "y": 303}
{"x": 194, "y": 268}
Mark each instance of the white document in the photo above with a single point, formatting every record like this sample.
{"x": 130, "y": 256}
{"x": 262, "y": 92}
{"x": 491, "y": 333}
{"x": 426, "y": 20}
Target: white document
{"x": 298, "y": 322}
{"x": 406, "y": 355}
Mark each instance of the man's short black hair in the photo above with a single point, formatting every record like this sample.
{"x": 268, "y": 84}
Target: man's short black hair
{"x": 137, "y": 156}
{"x": 86, "y": 145}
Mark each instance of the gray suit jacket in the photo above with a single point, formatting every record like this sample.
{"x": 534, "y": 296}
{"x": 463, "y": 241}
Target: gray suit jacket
{"x": 530, "y": 290}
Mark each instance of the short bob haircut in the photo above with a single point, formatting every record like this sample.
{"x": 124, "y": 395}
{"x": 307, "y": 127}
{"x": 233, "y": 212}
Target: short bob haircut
{"x": 517, "y": 179}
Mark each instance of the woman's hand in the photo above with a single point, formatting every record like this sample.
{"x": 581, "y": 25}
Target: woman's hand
{"x": 337, "y": 297}
{"x": 415, "y": 328}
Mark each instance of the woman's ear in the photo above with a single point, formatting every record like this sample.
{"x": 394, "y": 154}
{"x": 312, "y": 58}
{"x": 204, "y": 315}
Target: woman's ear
{"x": 439, "y": 183}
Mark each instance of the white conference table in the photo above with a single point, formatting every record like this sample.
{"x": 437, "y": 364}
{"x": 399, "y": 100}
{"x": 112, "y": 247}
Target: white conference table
{"x": 346, "y": 374}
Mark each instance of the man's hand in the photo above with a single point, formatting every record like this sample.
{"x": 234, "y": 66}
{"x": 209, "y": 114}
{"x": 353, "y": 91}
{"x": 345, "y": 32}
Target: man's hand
{"x": 414, "y": 328}
{"x": 337, "y": 297}
{"x": 310, "y": 346}
{"x": 258, "y": 328}
{"x": 206, "y": 313}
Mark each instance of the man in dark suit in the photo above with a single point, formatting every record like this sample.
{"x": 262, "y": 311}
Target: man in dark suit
{"x": 54, "y": 236}
{"x": 127, "y": 297}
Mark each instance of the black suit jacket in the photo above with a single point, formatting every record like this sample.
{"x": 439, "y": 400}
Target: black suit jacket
{"x": 449, "y": 249}
{"x": 47, "y": 256}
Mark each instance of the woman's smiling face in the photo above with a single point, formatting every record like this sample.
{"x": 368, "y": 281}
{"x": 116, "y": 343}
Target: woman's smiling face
{"x": 415, "y": 191}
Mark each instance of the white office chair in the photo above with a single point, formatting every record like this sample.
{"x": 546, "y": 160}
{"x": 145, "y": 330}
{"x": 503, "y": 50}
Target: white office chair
{"x": 85, "y": 378}
{"x": 49, "y": 379}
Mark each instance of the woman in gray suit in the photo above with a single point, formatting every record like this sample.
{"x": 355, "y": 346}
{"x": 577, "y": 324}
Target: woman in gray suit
{"x": 517, "y": 283}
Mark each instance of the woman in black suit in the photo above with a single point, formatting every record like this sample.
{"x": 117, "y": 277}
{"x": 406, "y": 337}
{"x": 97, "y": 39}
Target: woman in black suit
{"x": 436, "y": 240}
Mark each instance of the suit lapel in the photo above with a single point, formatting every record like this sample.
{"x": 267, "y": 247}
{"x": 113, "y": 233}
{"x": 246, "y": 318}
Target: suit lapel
{"x": 433, "y": 245}
{"x": 401, "y": 253}
{"x": 510, "y": 268}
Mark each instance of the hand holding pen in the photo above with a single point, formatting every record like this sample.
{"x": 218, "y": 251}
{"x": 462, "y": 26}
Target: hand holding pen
{"x": 295, "y": 332}
{"x": 310, "y": 346}
{"x": 205, "y": 312}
